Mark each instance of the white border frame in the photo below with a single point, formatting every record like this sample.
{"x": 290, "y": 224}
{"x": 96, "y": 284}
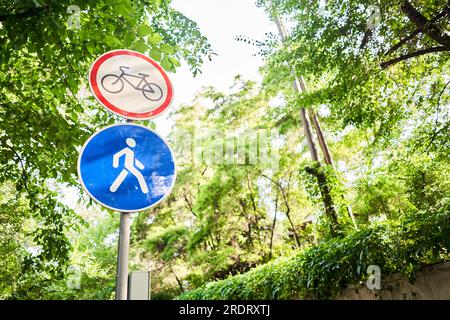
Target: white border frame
{"x": 118, "y": 209}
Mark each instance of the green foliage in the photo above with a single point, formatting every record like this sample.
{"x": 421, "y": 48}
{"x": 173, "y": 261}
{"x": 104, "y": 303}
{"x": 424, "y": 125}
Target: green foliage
{"x": 219, "y": 218}
{"x": 323, "y": 271}
{"x": 91, "y": 271}
{"x": 46, "y": 113}
{"x": 385, "y": 121}
{"x": 167, "y": 243}
{"x": 327, "y": 39}
{"x": 383, "y": 195}
{"x": 390, "y": 182}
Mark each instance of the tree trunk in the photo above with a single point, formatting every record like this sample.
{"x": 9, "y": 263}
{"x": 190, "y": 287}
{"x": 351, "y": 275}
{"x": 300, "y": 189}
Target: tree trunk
{"x": 288, "y": 208}
{"x": 327, "y": 156}
{"x": 273, "y": 226}
{"x": 321, "y": 138}
{"x": 425, "y": 25}
{"x": 326, "y": 198}
{"x": 299, "y": 86}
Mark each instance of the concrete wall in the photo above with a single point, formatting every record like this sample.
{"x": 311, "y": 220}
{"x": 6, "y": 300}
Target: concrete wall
{"x": 432, "y": 283}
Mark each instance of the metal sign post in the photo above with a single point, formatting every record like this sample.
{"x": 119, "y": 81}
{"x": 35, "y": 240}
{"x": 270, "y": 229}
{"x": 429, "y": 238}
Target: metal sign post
{"x": 123, "y": 253}
{"x": 122, "y": 256}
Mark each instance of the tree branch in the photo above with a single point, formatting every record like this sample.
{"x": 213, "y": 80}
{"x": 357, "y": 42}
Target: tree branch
{"x": 388, "y": 63}
{"x": 33, "y": 12}
{"x": 288, "y": 208}
{"x": 273, "y": 226}
{"x": 250, "y": 189}
{"x": 403, "y": 41}
{"x": 416, "y": 32}
{"x": 191, "y": 209}
{"x": 425, "y": 25}
{"x": 365, "y": 39}
{"x": 435, "y": 130}
{"x": 180, "y": 285}
{"x": 24, "y": 172}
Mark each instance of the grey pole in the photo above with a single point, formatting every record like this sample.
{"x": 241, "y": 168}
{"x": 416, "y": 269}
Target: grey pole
{"x": 122, "y": 256}
{"x": 123, "y": 253}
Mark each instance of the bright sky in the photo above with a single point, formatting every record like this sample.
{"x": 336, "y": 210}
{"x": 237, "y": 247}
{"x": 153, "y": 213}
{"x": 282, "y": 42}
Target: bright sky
{"x": 220, "y": 21}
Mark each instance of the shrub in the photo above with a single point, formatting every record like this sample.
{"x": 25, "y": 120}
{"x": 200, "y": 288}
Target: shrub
{"x": 323, "y": 271}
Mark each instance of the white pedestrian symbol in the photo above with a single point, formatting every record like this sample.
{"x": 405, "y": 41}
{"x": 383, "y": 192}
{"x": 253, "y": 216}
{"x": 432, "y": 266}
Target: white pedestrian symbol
{"x": 130, "y": 161}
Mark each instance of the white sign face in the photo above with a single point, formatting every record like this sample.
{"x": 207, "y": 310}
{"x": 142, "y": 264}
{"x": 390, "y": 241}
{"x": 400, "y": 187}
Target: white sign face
{"x": 130, "y": 84}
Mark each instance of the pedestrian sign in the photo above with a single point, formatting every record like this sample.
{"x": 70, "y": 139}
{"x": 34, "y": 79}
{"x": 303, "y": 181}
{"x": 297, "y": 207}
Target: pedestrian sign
{"x": 126, "y": 167}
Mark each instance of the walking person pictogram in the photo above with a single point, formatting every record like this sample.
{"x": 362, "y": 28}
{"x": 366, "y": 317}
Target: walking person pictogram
{"x": 130, "y": 162}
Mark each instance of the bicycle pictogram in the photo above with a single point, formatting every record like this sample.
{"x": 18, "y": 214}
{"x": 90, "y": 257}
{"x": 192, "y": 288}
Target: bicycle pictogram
{"x": 115, "y": 84}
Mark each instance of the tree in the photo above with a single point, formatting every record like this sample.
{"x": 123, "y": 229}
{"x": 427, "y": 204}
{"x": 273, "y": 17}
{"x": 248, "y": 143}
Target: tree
{"x": 386, "y": 121}
{"x": 388, "y": 129}
{"x": 327, "y": 39}
{"x": 344, "y": 58}
{"x": 221, "y": 218}
{"x": 45, "y": 111}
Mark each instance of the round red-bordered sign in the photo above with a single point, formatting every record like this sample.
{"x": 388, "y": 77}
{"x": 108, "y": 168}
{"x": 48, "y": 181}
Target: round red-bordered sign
{"x": 130, "y": 84}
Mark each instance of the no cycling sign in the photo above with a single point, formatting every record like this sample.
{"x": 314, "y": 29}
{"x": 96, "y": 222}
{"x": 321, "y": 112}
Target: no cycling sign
{"x": 130, "y": 84}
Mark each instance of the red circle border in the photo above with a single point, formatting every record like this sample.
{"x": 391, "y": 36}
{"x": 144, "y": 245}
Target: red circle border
{"x": 130, "y": 115}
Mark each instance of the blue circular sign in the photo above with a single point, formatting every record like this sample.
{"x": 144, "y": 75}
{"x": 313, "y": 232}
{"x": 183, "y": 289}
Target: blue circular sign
{"x": 127, "y": 167}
